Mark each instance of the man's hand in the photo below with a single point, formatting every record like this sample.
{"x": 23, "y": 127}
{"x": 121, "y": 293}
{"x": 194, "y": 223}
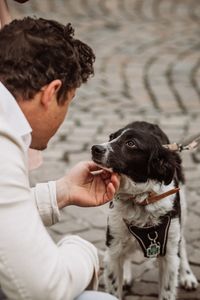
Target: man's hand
{"x": 82, "y": 188}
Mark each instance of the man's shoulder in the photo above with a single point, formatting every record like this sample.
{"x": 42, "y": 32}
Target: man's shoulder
{"x": 4, "y": 126}
{"x": 8, "y": 135}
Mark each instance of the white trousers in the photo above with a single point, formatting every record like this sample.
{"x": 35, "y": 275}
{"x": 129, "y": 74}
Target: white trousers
{"x": 93, "y": 295}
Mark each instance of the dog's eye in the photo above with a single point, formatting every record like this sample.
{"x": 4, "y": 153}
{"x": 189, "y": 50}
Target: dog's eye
{"x": 130, "y": 144}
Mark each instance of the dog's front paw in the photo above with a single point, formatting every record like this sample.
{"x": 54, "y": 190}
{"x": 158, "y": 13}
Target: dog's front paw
{"x": 187, "y": 280}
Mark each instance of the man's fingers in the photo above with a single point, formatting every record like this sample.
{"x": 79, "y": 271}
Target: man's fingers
{"x": 92, "y": 166}
{"x": 115, "y": 179}
{"x": 110, "y": 192}
{"x": 112, "y": 185}
{"x": 97, "y": 172}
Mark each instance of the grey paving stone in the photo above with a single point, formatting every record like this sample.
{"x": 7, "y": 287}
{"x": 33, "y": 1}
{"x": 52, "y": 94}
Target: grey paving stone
{"x": 150, "y": 276}
{"x": 93, "y": 235}
{"x": 139, "y": 298}
{"x": 196, "y": 270}
{"x": 145, "y": 289}
{"x": 194, "y": 295}
{"x": 195, "y": 258}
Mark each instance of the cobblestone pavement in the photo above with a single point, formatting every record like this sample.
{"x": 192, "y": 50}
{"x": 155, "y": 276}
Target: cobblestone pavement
{"x": 147, "y": 68}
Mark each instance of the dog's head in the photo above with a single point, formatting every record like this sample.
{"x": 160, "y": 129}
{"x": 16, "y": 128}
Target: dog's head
{"x": 137, "y": 152}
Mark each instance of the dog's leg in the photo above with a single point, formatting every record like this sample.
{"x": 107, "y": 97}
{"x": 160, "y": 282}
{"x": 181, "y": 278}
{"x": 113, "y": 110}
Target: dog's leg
{"x": 113, "y": 274}
{"x": 169, "y": 264}
{"x": 168, "y": 273}
{"x": 117, "y": 242}
{"x": 128, "y": 278}
{"x": 186, "y": 277}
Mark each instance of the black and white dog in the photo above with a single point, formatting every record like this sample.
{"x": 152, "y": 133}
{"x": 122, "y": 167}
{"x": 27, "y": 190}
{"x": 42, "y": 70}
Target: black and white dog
{"x": 147, "y": 213}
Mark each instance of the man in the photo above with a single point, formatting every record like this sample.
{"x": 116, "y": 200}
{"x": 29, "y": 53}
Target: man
{"x": 41, "y": 66}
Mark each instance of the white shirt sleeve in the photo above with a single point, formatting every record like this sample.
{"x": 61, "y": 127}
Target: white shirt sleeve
{"x": 44, "y": 196}
{"x": 32, "y": 266}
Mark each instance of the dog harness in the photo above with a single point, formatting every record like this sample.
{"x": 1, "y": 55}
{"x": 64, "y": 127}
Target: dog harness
{"x": 153, "y": 239}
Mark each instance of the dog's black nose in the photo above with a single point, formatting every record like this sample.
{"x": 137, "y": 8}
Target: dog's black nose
{"x": 98, "y": 149}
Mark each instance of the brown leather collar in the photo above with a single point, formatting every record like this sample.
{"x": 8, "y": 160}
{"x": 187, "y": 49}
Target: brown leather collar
{"x": 151, "y": 198}
{"x": 154, "y": 197}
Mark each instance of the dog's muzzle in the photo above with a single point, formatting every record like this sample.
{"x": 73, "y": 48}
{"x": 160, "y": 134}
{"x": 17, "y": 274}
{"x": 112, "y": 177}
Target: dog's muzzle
{"x": 98, "y": 153}
{"x": 98, "y": 150}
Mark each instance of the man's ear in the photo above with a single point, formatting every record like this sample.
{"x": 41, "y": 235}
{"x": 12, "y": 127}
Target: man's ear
{"x": 49, "y": 92}
{"x": 162, "y": 165}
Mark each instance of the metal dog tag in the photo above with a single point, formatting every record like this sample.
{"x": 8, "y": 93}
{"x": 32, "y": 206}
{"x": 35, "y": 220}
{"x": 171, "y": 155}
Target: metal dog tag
{"x": 154, "y": 249}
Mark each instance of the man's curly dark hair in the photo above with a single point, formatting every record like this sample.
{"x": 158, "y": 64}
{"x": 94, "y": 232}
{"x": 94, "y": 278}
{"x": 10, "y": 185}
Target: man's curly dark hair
{"x": 34, "y": 52}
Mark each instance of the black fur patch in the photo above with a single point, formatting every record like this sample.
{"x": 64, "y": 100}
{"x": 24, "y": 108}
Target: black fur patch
{"x": 110, "y": 276}
{"x": 109, "y": 237}
{"x": 111, "y": 204}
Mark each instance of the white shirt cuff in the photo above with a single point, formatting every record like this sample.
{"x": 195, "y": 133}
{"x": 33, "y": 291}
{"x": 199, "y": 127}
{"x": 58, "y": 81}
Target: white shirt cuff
{"x": 46, "y": 202}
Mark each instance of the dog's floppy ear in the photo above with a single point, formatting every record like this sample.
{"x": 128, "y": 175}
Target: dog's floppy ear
{"x": 162, "y": 165}
{"x": 114, "y": 135}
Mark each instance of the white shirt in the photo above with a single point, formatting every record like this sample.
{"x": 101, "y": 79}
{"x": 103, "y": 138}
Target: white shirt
{"x": 32, "y": 266}
{"x": 44, "y": 194}
{"x": 14, "y": 116}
